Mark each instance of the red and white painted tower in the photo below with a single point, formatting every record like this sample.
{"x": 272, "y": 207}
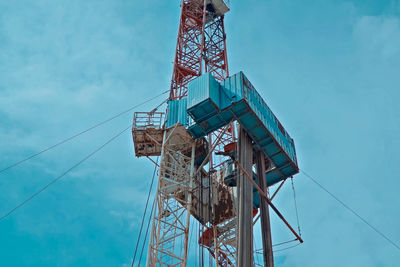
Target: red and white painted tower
{"x": 201, "y": 44}
{"x": 200, "y": 48}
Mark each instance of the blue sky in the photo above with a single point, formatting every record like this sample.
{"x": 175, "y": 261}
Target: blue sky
{"x": 328, "y": 69}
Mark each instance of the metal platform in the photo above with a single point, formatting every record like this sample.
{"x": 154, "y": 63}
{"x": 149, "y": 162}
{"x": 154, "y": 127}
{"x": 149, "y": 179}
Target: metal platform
{"x": 147, "y": 133}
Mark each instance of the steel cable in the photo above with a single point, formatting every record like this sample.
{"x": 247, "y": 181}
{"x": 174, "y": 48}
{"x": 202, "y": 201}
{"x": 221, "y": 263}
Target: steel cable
{"x": 351, "y": 210}
{"x": 78, "y": 134}
{"x": 287, "y": 248}
{"x": 147, "y": 229}
{"x": 145, "y": 210}
{"x": 63, "y": 174}
{"x": 295, "y": 206}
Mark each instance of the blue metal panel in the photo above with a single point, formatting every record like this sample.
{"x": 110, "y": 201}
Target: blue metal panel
{"x": 231, "y": 91}
{"x": 177, "y": 112}
{"x": 196, "y": 131}
{"x": 203, "y": 97}
{"x": 263, "y": 113}
{"x": 237, "y": 98}
{"x": 211, "y": 124}
{"x": 233, "y": 87}
{"x": 256, "y": 199}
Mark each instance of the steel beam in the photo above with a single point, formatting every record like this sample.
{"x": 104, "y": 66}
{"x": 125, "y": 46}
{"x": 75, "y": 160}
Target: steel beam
{"x": 189, "y": 204}
{"x": 242, "y": 169}
{"x": 245, "y": 203}
{"x": 264, "y": 210}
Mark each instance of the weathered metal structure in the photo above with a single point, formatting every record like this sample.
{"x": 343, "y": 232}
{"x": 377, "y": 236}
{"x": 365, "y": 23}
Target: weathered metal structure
{"x": 216, "y": 129}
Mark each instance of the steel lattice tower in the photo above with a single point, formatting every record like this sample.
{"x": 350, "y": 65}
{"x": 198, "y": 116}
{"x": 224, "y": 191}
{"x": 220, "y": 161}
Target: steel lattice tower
{"x": 201, "y": 47}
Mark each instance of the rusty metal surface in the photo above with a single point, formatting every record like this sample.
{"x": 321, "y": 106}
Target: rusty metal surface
{"x": 147, "y": 133}
{"x": 147, "y": 142}
{"x": 201, "y": 208}
{"x": 223, "y": 200}
{"x": 215, "y": 206}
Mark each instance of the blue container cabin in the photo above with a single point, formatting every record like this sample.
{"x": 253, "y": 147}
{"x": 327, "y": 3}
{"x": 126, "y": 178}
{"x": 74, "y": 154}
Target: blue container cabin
{"x": 203, "y": 97}
{"x": 266, "y": 130}
{"x": 205, "y": 105}
{"x": 239, "y": 100}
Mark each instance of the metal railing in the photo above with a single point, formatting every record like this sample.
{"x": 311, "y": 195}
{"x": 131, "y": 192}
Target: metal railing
{"x": 145, "y": 120}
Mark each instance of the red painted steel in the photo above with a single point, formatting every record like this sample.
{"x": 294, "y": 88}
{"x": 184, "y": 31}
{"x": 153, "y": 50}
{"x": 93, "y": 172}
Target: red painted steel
{"x": 206, "y": 240}
{"x": 189, "y": 46}
{"x": 201, "y": 47}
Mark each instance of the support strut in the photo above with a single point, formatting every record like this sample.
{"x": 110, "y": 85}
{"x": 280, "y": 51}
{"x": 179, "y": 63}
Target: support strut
{"x": 268, "y": 200}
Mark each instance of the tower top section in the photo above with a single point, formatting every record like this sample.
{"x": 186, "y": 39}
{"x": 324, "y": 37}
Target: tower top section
{"x": 218, "y": 7}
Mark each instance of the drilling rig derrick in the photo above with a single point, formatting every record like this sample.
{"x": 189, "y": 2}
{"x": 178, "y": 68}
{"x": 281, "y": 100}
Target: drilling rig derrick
{"x": 205, "y": 170}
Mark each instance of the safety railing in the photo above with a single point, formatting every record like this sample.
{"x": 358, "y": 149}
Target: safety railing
{"x": 145, "y": 120}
